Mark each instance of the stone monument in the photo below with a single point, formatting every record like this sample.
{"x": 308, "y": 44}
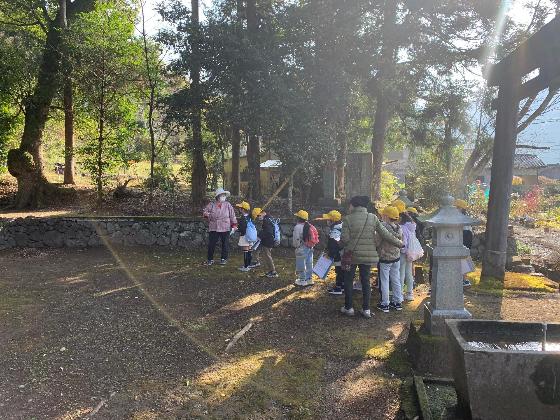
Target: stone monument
{"x": 359, "y": 173}
{"x": 329, "y": 187}
{"x": 447, "y": 251}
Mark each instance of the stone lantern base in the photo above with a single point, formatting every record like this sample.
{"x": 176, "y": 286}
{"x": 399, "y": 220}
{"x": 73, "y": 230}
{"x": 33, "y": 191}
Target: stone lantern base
{"x": 434, "y": 319}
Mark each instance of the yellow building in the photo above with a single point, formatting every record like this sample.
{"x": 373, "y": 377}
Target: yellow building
{"x": 271, "y": 169}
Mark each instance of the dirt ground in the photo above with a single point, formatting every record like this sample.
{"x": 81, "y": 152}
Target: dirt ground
{"x": 141, "y": 333}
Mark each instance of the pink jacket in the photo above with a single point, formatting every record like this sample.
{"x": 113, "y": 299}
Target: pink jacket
{"x": 221, "y": 216}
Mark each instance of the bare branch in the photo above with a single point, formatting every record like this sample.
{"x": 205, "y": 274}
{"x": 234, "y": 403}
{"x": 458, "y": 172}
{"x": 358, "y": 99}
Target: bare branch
{"x": 541, "y": 108}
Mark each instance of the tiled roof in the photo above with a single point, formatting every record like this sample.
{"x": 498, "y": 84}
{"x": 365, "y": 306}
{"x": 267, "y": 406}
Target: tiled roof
{"x": 526, "y": 161}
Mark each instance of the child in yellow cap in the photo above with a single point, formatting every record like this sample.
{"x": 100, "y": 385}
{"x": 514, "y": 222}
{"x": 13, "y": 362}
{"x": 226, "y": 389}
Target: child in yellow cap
{"x": 244, "y": 221}
{"x": 389, "y": 262}
{"x": 334, "y": 221}
{"x": 304, "y": 239}
{"x": 266, "y": 237}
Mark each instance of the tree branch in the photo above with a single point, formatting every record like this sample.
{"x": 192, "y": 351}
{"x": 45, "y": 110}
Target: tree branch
{"x": 542, "y": 107}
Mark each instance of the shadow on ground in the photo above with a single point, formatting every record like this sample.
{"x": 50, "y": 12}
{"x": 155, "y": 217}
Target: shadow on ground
{"x": 142, "y": 333}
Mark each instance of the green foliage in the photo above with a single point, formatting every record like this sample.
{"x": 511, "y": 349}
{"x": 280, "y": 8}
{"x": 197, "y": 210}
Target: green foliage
{"x": 163, "y": 179}
{"x": 430, "y": 179}
{"x": 389, "y": 186}
{"x": 106, "y": 64}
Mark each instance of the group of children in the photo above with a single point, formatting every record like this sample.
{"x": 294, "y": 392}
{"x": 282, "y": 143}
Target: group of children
{"x": 304, "y": 239}
{"x": 265, "y": 239}
{"x": 395, "y": 263}
{"x": 397, "y": 252}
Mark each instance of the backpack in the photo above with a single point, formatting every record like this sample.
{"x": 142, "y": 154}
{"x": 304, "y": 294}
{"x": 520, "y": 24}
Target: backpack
{"x": 311, "y": 236}
{"x": 277, "y": 233}
{"x": 251, "y": 232}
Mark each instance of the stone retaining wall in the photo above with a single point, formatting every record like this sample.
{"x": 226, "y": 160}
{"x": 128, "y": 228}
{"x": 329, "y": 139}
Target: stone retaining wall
{"x": 58, "y": 232}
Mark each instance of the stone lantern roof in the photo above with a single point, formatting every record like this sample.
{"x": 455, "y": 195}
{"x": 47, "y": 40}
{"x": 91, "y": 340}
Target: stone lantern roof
{"x": 449, "y": 215}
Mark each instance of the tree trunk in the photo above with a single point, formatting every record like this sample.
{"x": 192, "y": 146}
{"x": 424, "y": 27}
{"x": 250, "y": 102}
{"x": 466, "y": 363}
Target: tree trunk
{"x": 151, "y": 99}
{"x": 291, "y": 194}
{"x": 253, "y": 147}
{"x": 26, "y": 162}
{"x": 384, "y": 102}
{"x": 69, "y": 165}
{"x": 448, "y": 146}
{"x": 100, "y": 141}
{"x": 235, "y": 172}
{"x": 494, "y": 261}
{"x": 254, "y": 167}
{"x": 199, "y": 171}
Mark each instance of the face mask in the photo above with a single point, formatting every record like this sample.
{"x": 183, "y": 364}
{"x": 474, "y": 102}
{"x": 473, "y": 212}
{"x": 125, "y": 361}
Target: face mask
{"x": 222, "y": 198}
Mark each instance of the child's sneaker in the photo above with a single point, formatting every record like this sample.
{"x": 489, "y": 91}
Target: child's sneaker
{"x": 383, "y": 308}
{"x": 409, "y": 297}
{"x": 357, "y": 286}
{"x": 366, "y": 313}
{"x": 300, "y": 283}
{"x": 395, "y": 306}
{"x": 223, "y": 262}
{"x": 466, "y": 283}
{"x": 335, "y": 291}
{"x": 209, "y": 262}
{"x": 309, "y": 282}
{"x": 271, "y": 274}
{"x": 255, "y": 265}
{"x": 244, "y": 269}
{"x": 347, "y": 312}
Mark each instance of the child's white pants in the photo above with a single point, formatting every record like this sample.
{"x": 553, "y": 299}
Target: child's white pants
{"x": 390, "y": 273}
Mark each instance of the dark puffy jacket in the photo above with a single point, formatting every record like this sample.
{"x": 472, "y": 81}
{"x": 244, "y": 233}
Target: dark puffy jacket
{"x": 242, "y": 227}
{"x": 267, "y": 232}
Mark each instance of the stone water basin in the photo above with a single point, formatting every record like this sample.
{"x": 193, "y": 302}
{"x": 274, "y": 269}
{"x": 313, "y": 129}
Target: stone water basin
{"x": 506, "y": 369}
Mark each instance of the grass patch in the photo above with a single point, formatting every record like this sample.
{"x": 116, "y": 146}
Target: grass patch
{"x": 513, "y": 281}
{"x": 442, "y": 400}
{"x": 395, "y": 358}
{"x": 252, "y": 384}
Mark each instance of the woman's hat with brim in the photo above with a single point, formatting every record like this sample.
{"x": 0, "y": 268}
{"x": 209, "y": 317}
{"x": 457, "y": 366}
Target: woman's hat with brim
{"x": 221, "y": 191}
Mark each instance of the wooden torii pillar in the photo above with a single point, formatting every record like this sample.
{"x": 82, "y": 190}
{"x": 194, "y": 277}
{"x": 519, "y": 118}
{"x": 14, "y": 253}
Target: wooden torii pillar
{"x": 542, "y": 52}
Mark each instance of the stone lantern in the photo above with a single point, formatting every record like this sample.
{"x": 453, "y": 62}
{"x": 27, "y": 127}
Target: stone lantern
{"x": 447, "y": 251}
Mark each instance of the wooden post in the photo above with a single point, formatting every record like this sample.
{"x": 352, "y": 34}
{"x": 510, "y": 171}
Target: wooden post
{"x": 494, "y": 261}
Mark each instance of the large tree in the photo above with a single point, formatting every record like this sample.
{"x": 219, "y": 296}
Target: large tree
{"x": 26, "y": 163}
{"x": 107, "y": 66}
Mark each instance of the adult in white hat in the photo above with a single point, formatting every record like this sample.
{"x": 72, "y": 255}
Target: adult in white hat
{"x": 221, "y": 220}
